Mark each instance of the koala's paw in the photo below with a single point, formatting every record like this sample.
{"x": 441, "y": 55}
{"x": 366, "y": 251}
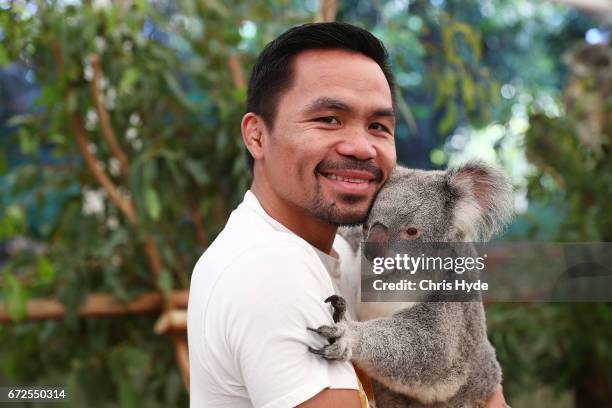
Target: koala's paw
{"x": 331, "y": 333}
{"x": 339, "y": 347}
{"x": 339, "y": 305}
{"x": 333, "y": 352}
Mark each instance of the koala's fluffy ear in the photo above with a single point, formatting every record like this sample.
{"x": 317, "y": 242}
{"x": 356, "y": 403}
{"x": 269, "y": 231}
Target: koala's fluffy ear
{"x": 482, "y": 203}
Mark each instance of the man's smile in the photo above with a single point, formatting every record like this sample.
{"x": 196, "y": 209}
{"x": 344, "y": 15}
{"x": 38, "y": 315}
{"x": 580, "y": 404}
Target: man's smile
{"x": 349, "y": 181}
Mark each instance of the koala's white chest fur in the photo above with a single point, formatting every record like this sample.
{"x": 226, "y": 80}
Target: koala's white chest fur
{"x": 430, "y": 393}
{"x": 350, "y": 287}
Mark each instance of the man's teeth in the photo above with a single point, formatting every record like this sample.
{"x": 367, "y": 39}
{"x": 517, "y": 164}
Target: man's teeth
{"x": 350, "y": 180}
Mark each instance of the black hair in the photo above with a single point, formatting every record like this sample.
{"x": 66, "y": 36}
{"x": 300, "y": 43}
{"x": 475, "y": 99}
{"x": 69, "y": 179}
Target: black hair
{"x": 272, "y": 72}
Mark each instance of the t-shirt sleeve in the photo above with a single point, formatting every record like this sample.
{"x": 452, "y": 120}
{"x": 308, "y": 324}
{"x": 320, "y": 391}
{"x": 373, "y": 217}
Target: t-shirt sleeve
{"x": 273, "y": 293}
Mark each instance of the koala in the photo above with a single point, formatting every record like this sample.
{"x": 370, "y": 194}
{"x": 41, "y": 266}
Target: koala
{"x": 429, "y": 354}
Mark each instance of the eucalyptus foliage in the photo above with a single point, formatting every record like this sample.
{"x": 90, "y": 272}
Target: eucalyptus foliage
{"x": 175, "y": 110}
{"x": 568, "y": 346}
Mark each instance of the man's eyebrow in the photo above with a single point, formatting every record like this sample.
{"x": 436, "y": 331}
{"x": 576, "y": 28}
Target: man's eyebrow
{"x": 325, "y": 103}
{"x": 384, "y": 112}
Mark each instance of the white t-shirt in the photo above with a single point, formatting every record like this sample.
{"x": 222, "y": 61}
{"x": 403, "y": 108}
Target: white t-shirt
{"x": 253, "y": 293}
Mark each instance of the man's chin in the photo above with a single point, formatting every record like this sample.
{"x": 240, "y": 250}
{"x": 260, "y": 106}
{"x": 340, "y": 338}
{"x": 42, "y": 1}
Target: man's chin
{"x": 350, "y": 221}
{"x": 353, "y": 199}
{"x": 342, "y": 209}
{"x": 343, "y": 216}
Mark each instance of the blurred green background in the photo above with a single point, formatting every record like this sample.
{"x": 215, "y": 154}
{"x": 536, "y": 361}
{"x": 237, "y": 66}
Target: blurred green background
{"x": 121, "y": 159}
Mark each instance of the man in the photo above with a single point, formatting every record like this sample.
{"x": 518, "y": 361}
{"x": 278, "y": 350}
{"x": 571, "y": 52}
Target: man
{"x": 320, "y": 133}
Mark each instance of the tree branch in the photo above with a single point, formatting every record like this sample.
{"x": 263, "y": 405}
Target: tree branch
{"x": 327, "y": 11}
{"x": 100, "y": 305}
{"x": 233, "y": 63}
{"x": 123, "y": 203}
{"x": 182, "y": 357}
{"x": 198, "y": 224}
{"x": 125, "y": 206}
{"x": 107, "y": 131}
{"x": 236, "y": 70}
{"x": 174, "y": 320}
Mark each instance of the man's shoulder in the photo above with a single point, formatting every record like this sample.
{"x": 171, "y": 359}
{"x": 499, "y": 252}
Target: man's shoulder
{"x": 268, "y": 255}
{"x": 278, "y": 269}
{"x": 247, "y": 230}
{"x": 260, "y": 247}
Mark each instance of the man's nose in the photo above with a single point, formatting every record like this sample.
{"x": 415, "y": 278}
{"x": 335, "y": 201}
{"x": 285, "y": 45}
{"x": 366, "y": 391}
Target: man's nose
{"x": 357, "y": 144}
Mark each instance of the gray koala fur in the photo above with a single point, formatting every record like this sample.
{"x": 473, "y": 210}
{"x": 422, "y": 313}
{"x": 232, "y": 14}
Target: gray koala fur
{"x": 426, "y": 354}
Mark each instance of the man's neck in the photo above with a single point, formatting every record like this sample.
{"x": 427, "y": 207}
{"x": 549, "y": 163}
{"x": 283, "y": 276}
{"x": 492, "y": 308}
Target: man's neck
{"x": 315, "y": 231}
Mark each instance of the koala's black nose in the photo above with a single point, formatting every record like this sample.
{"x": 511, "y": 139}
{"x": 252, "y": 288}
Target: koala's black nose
{"x": 377, "y": 242}
{"x": 371, "y": 251}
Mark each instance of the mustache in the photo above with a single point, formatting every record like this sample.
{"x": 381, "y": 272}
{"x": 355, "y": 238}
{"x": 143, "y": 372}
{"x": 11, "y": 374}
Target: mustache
{"x": 350, "y": 164}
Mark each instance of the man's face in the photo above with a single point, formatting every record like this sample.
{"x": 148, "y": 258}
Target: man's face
{"x": 332, "y": 145}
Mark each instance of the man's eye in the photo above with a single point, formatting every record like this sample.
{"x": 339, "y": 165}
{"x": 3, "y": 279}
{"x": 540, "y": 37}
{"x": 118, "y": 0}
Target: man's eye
{"x": 332, "y": 120}
{"x": 378, "y": 126}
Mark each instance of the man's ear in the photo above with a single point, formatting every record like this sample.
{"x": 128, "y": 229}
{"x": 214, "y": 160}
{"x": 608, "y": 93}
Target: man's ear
{"x": 482, "y": 200}
{"x": 253, "y": 134}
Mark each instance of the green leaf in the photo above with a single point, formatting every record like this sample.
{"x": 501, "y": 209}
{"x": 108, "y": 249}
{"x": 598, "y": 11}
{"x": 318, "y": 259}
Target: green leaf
{"x": 119, "y": 237}
{"x": 19, "y": 120}
{"x": 219, "y": 7}
{"x": 437, "y": 157}
{"x": 15, "y": 297}
{"x": 128, "y": 79}
{"x": 239, "y": 95}
{"x": 197, "y": 171}
{"x": 176, "y": 90}
{"x": 58, "y": 138}
{"x": 164, "y": 281}
{"x": 128, "y": 366}
{"x": 3, "y": 165}
{"x": 128, "y": 395}
{"x": 136, "y": 362}
{"x": 27, "y": 144}
{"x": 152, "y": 203}
{"x": 13, "y": 222}
{"x": 71, "y": 103}
{"x": 468, "y": 90}
{"x": 140, "y": 5}
{"x": 44, "y": 269}
{"x": 449, "y": 118}
{"x": 4, "y": 58}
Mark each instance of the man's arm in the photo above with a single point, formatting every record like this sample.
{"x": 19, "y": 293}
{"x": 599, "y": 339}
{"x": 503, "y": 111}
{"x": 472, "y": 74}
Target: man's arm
{"x": 350, "y": 398}
{"x": 332, "y": 398}
{"x": 268, "y": 296}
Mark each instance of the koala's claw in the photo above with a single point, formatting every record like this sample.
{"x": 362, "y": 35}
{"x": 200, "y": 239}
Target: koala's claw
{"x": 339, "y": 305}
{"x": 331, "y": 333}
{"x": 335, "y": 351}
{"x": 315, "y": 351}
{"x": 339, "y": 347}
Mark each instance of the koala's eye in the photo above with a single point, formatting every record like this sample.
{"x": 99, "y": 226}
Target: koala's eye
{"x": 411, "y": 232}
